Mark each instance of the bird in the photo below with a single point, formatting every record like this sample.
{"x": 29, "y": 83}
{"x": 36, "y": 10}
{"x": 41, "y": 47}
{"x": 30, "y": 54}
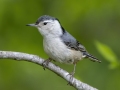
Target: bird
{"x": 59, "y": 44}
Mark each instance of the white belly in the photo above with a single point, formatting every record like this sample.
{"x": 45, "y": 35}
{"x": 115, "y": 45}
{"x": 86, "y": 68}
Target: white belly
{"x": 58, "y": 51}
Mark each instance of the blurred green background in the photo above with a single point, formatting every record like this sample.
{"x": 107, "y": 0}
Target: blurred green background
{"x": 95, "y": 23}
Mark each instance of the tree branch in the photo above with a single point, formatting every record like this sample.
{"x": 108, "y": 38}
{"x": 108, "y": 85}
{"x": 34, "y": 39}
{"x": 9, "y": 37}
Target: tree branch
{"x": 36, "y": 59}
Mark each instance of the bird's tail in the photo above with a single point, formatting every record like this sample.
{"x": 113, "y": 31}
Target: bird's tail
{"x": 91, "y": 57}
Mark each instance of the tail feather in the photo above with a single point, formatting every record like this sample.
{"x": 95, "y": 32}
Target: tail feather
{"x": 91, "y": 57}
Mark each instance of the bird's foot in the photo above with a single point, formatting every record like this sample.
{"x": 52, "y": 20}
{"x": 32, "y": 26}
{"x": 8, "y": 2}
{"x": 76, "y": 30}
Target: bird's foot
{"x": 46, "y": 62}
{"x": 71, "y": 77}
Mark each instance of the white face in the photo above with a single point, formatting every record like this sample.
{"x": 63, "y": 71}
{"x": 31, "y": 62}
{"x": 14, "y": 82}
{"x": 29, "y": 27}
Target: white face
{"x": 50, "y": 28}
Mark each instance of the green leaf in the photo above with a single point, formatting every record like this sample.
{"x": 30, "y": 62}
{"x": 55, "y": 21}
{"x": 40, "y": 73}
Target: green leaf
{"x": 108, "y": 54}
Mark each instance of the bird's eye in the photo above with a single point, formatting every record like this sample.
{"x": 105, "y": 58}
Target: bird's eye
{"x": 45, "y": 23}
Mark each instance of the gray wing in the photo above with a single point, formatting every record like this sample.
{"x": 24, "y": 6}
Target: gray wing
{"x": 72, "y": 43}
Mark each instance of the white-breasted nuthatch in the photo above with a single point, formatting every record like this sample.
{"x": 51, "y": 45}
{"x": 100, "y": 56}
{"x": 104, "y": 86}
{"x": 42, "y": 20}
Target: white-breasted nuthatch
{"x": 59, "y": 44}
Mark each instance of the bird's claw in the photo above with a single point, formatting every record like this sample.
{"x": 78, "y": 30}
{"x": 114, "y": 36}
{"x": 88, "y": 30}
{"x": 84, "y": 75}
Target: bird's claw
{"x": 45, "y": 63}
{"x": 71, "y": 78}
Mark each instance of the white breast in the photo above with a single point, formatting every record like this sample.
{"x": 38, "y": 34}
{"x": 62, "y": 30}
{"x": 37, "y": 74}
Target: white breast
{"x": 58, "y": 51}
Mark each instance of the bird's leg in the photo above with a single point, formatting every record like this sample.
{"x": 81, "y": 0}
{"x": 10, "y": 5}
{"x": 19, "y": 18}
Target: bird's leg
{"x": 72, "y": 74}
{"x": 46, "y": 62}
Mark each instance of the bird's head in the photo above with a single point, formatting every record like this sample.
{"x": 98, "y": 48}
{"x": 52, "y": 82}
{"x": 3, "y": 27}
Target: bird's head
{"x": 48, "y": 26}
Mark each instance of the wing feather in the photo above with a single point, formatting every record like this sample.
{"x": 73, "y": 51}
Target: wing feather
{"x": 72, "y": 43}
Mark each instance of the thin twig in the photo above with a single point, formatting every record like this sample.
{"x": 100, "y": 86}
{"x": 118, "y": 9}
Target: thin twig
{"x": 36, "y": 59}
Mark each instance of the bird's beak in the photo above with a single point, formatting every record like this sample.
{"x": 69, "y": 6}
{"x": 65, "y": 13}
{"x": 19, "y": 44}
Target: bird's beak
{"x": 31, "y": 25}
